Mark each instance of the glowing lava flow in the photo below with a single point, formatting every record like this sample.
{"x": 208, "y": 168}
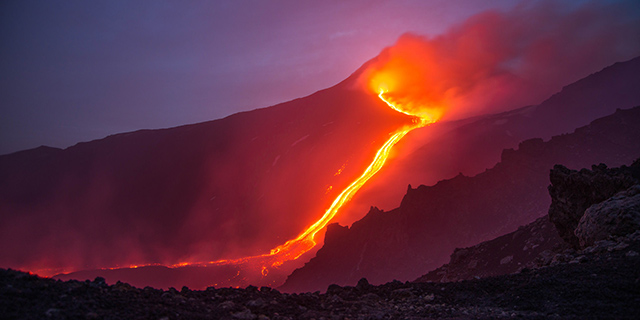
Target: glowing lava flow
{"x": 294, "y": 248}
{"x": 348, "y": 193}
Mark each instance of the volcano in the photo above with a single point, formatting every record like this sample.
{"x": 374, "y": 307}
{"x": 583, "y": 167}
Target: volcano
{"x": 240, "y": 186}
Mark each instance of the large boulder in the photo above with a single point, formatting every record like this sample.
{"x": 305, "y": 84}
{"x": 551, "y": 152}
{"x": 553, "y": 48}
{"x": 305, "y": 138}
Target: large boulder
{"x": 617, "y": 216}
{"x": 572, "y": 192}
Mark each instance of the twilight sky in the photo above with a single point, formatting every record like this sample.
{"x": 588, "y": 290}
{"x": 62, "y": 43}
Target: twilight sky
{"x": 73, "y": 71}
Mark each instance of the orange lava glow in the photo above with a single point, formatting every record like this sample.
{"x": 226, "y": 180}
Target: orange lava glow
{"x": 400, "y": 78}
{"x": 294, "y": 248}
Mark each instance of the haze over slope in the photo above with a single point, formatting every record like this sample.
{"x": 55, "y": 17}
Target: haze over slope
{"x": 221, "y": 189}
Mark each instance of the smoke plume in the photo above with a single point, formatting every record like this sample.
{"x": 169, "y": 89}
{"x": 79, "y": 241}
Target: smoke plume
{"x": 503, "y": 60}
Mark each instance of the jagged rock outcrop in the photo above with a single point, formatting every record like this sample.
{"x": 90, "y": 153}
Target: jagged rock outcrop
{"x": 616, "y": 216}
{"x": 572, "y": 192}
{"x": 504, "y": 255}
{"x": 610, "y": 225}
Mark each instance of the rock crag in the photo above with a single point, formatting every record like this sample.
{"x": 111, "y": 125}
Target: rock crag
{"x": 573, "y": 192}
{"x": 504, "y": 255}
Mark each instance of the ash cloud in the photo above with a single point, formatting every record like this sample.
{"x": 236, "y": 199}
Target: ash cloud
{"x": 497, "y": 61}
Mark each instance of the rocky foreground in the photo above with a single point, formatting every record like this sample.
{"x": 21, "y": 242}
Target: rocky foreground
{"x": 593, "y": 274}
{"x": 602, "y": 281}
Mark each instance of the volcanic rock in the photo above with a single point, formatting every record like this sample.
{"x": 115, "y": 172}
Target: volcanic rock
{"x": 572, "y": 192}
{"x": 506, "y": 254}
{"x": 604, "y": 285}
{"x": 605, "y": 227}
{"x": 617, "y": 216}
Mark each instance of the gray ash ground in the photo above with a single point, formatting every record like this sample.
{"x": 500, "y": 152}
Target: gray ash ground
{"x": 597, "y": 283}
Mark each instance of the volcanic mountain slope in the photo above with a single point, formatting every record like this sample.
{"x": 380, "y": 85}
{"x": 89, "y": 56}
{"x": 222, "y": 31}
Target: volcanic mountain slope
{"x": 431, "y": 221}
{"x": 244, "y": 184}
{"x": 220, "y": 189}
{"x": 443, "y": 150}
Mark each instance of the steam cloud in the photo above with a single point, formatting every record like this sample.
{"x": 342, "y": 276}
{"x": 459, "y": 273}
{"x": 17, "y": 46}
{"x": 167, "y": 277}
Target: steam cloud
{"x": 503, "y": 60}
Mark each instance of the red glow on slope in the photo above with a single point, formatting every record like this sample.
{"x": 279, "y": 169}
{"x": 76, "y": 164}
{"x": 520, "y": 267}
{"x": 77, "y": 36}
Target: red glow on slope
{"x": 492, "y": 62}
{"x": 305, "y": 241}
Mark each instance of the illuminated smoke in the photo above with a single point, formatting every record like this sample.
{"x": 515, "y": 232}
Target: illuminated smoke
{"x": 502, "y": 60}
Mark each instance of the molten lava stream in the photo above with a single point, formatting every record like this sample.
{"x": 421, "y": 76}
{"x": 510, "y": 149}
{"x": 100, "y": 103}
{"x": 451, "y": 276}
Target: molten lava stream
{"x": 294, "y": 248}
